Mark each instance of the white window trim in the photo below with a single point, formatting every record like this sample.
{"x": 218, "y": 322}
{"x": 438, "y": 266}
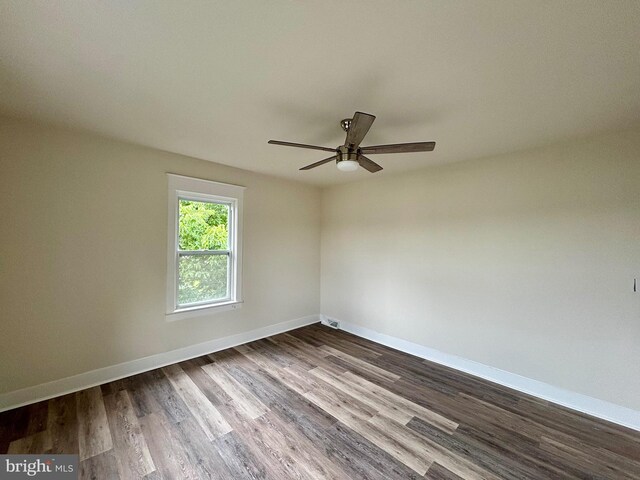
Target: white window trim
{"x": 203, "y": 190}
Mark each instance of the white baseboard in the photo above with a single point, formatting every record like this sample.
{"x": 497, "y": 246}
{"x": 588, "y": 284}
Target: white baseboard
{"x": 576, "y": 401}
{"x": 92, "y": 378}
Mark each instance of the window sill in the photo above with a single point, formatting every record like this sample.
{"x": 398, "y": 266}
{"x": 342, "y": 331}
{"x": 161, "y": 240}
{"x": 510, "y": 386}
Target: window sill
{"x": 201, "y": 310}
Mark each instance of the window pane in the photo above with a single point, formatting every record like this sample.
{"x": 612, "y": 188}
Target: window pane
{"x": 203, "y": 225}
{"x": 202, "y": 278}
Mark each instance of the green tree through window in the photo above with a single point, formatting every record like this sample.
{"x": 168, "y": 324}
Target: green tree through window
{"x": 203, "y": 226}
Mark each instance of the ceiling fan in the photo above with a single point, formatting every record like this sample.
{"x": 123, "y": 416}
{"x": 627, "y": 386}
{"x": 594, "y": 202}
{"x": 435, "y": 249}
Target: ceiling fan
{"x": 351, "y": 154}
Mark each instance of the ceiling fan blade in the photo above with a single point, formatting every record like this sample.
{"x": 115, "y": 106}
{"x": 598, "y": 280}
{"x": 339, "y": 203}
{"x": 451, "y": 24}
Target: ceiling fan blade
{"x": 321, "y": 162}
{"x": 367, "y": 164}
{"x": 360, "y": 125}
{"x": 301, "y": 145}
{"x": 400, "y": 148}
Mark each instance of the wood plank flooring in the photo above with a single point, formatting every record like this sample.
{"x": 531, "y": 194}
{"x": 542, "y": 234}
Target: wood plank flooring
{"x": 318, "y": 403}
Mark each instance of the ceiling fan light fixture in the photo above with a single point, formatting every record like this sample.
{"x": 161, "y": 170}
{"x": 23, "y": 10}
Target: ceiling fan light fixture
{"x": 347, "y": 165}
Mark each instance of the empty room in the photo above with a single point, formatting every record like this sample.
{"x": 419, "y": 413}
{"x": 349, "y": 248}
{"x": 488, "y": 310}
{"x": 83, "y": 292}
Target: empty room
{"x": 319, "y": 240}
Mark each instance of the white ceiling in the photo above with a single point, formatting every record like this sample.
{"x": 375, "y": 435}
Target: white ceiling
{"x": 217, "y": 79}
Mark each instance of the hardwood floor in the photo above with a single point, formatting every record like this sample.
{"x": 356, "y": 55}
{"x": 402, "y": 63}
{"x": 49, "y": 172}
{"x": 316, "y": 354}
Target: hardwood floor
{"x": 318, "y": 403}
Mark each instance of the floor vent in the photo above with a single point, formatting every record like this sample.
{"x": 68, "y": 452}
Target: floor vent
{"x": 332, "y": 323}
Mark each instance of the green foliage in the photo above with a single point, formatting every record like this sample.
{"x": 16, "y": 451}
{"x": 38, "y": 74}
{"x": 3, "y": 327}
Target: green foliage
{"x": 202, "y": 226}
{"x": 202, "y": 277}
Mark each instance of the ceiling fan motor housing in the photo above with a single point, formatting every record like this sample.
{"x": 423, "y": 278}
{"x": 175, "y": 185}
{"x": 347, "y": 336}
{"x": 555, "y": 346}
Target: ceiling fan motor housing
{"x": 345, "y": 153}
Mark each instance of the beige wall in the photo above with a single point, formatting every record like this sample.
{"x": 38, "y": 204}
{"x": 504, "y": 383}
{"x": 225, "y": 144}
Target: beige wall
{"x": 524, "y": 262}
{"x": 83, "y": 231}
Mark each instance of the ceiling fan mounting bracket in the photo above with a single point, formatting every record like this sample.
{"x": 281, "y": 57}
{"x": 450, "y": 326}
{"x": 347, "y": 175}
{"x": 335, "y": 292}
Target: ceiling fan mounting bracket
{"x": 345, "y": 123}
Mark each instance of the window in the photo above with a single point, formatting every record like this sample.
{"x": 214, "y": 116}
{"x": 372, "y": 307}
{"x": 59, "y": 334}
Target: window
{"x": 204, "y": 262}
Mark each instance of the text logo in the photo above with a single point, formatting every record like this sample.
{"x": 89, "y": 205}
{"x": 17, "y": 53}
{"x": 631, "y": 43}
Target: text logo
{"x": 50, "y": 467}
